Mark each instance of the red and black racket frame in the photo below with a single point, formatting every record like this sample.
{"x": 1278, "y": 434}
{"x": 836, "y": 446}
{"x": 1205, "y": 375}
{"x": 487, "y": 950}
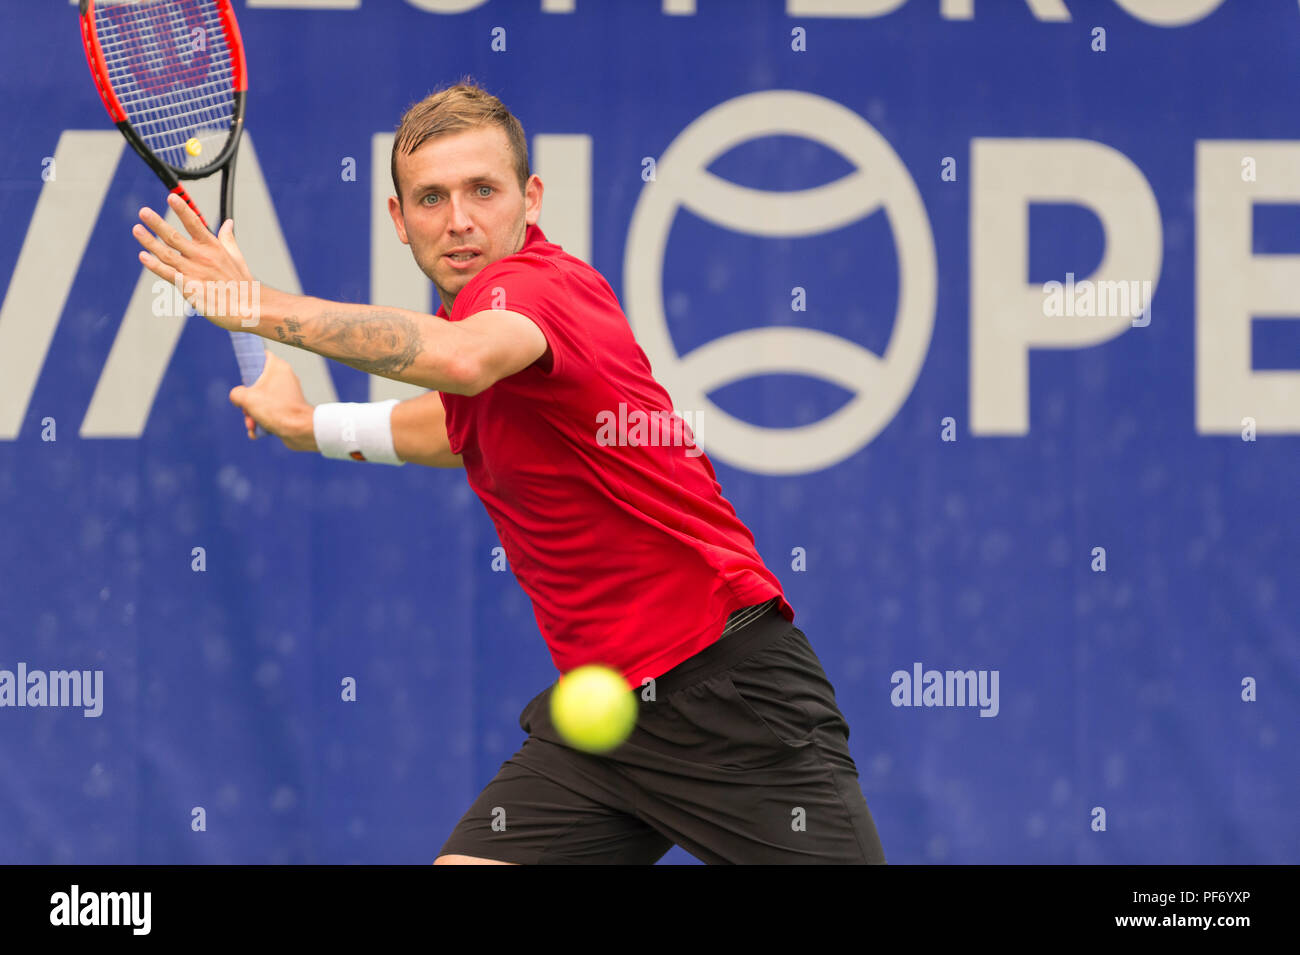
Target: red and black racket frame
{"x": 250, "y": 364}
{"x": 167, "y": 173}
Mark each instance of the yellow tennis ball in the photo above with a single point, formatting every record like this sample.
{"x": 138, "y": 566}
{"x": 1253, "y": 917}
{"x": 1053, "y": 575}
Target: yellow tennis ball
{"x": 593, "y": 708}
{"x": 194, "y": 147}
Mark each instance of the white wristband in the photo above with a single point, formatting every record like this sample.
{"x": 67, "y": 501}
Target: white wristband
{"x": 356, "y": 431}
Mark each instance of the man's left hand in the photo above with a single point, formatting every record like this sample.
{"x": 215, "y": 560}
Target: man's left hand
{"x": 213, "y": 276}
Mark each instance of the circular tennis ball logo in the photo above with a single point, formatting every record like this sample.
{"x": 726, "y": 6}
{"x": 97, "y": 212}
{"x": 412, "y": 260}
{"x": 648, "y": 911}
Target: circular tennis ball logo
{"x": 593, "y": 708}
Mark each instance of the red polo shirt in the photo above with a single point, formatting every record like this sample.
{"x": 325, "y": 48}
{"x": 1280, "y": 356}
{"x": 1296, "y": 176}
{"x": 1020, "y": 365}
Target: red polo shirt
{"x": 611, "y": 517}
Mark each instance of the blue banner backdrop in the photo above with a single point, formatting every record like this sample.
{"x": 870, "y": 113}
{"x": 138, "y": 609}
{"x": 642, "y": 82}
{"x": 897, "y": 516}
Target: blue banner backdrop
{"x": 951, "y": 464}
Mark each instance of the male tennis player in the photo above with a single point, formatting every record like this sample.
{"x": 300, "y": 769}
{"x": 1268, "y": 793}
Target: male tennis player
{"x": 629, "y": 551}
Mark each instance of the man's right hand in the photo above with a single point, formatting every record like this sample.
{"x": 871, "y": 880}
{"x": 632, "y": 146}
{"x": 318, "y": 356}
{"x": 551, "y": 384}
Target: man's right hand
{"x": 276, "y": 402}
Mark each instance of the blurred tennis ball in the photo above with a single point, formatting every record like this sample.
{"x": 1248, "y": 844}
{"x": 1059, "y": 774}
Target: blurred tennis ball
{"x": 593, "y": 708}
{"x": 194, "y": 147}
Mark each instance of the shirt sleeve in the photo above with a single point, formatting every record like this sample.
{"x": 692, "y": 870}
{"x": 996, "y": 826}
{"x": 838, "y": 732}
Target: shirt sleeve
{"x": 539, "y": 291}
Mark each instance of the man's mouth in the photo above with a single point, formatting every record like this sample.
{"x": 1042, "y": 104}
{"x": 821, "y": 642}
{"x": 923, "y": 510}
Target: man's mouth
{"x": 461, "y": 258}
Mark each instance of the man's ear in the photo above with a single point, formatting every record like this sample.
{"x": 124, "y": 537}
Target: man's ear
{"x": 399, "y": 222}
{"x": 533, "y": 200}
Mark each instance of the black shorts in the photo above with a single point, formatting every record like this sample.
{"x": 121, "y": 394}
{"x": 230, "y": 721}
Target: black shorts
{"x": 742, "y": 757}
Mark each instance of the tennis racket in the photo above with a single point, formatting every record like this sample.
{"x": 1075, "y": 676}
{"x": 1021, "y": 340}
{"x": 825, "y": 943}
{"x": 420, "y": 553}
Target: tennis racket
{"x": 173, "y": 77}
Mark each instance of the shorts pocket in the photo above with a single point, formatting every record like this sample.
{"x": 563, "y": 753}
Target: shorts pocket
{"x": 783, "y": 721}
{"x": 710, "y": 724}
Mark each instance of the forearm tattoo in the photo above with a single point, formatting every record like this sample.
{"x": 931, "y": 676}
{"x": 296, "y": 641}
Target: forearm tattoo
{"x": 384, "y": 344}
{"x": 295, "y": 328}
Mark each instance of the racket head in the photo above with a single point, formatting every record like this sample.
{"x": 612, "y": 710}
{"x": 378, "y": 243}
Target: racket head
{"x": 170, "y": 73}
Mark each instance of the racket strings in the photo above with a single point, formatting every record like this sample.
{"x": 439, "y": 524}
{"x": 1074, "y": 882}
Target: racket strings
{"x": 172, "y": 70}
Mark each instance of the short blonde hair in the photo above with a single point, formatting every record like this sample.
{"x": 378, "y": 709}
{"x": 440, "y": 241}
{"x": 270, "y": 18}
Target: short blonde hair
{"x": 456, "y": 109}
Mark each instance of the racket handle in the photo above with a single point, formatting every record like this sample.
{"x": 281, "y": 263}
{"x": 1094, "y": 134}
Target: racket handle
{"x": 251, "y": 355}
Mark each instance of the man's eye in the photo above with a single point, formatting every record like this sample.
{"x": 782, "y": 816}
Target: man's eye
{"x": 427, "y": 200}
{"x": 488, "y": 188}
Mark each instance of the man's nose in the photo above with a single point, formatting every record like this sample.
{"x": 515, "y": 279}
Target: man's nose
{"x": 460, "y": 220}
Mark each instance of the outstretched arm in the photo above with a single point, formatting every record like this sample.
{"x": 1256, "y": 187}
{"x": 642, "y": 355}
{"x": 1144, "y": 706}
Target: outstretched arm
{"x": 393, "y": 343}
{"x": 462, "y": 357}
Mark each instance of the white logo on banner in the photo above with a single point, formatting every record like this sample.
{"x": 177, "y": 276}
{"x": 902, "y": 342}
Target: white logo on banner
{"x": 880, "y": 383}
